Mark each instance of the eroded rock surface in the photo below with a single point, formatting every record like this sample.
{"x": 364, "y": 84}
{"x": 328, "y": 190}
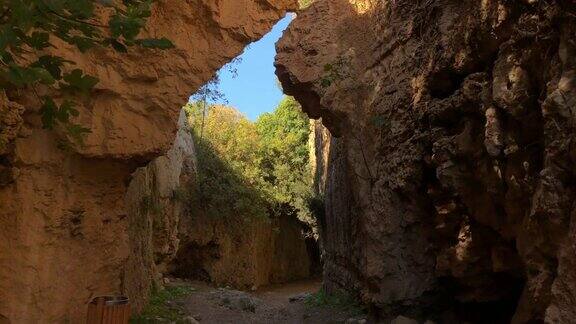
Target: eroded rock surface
{"x": 242, "y": 252}
{"x": 450, "y": 192}
{"x": 154, "y": 212}
{"x": 67, "y": 230}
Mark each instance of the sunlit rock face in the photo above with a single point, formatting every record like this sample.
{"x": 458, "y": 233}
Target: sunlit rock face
{"x": 449, "y": 189}
{"x": 68, "y": 231}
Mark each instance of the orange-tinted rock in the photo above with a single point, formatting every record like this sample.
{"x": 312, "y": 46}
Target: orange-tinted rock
{"x": 67, "y": 230}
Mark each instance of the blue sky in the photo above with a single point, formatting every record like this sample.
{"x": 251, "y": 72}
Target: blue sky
{"x": 255, "y": 89}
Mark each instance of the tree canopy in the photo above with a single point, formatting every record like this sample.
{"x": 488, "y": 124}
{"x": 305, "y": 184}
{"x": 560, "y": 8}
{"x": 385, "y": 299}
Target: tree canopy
{"x": 252, "y": 168}
{"x": 285, "y": 154}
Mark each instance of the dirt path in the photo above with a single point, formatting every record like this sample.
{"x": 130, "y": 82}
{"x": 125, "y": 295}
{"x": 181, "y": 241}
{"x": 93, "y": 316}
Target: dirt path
{"x": 288, "y": 303}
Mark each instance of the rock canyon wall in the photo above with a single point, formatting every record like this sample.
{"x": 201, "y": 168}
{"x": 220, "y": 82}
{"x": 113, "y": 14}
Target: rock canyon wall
{"x": 242, "y": 252}
{"x": 449, "y": 179}
{"x": 88, "y": 220}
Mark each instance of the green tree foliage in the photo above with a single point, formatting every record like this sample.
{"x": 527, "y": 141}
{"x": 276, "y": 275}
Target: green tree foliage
{"x": 284, "y": 163}
{"x": 29, "y": 27}
{"x": 227, "y": 149}
{"x": 252, "y": 169}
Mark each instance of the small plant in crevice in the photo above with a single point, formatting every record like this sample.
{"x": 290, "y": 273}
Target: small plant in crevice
{"x": 338, "y": 300}
{"x": 334, "y": 72}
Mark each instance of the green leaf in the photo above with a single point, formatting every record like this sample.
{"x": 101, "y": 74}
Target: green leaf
{"x": 52, "y": 64}
{"x": 119, "y": 47}
{"x": 7, "y": 37}
{"x": 161, "y": 43}
{"x": 39, "y": 40}
{"x": 22, "y": 15}
{"x": 75, "y": 129}
{"x": 78, "y": 81}
{"x": 24, "y": 76}
{"x": 81, "y": 9}
{"x": 127, "y": 27}
{"x": 43, "y": 76}
{"x": 48, "y": 112}
{"x": 28, "y": 26}
{"x": 6, "y": 58}
{"x": 52, "y": 114}
{"x": 82, "y": 43}
{"x": 15, "y": 75}
{"x": 77, "y": 132}
{"x": 65, "y": 111}
{"x": 139, "y": 9}
{"x": 115, "y": 25}
{"x": 325, "y": 83}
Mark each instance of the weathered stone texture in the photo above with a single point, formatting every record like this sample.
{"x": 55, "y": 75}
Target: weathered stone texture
{"x": 451, "y": 185}
{"x": 67, "y": 230}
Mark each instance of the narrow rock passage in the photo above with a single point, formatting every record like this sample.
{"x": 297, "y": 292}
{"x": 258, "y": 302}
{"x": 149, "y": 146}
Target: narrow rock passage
{"x": 286, "y": 303}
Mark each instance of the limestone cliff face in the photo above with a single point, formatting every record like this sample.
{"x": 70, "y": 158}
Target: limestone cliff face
{"x": 68, "y": 228}
{"x": 449, "y": 189}
{"x": 154, "y": 212}
{"x": 245, "y": 253}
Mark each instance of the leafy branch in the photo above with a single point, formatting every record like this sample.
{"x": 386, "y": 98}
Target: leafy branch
{"x": 28, "y": 27}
